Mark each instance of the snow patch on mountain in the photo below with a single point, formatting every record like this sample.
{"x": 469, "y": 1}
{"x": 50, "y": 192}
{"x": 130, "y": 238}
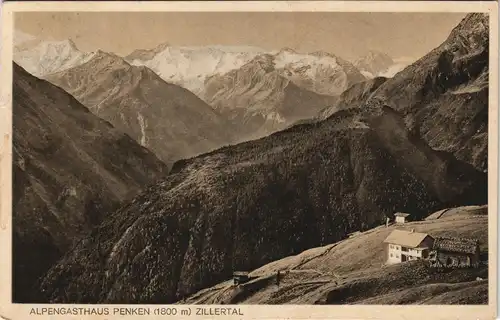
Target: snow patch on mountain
{"x": 51, "y": 56}
{"x": 367, "y": 74}
{"x": 190, "y": 66}
{"x": 377, "y": 64}
{"x": 392, "y": 70}
{"x": 275, "y": 117}
{"x": 387, "y": 73}
{"x": 287, "y": 59}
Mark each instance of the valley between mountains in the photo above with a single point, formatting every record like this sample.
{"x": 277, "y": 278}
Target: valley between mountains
{"x": 152, "y": 177}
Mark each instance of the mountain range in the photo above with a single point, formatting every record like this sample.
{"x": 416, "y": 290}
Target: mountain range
{"x": 166, "y": 118}
{"x": 256, "y": 91}
{"x": 259, "y": 92}
{"x": 320, "y": 72}
{"x": 260, "y": 99}
{"x": 189, "y": 67}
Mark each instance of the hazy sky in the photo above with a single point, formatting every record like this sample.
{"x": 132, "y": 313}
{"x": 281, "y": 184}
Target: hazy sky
{"x": 348, "y": 35}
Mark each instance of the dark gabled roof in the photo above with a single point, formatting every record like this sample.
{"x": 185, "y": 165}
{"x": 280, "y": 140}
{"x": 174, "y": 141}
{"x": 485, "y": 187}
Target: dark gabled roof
{"x": 459, "y": 245}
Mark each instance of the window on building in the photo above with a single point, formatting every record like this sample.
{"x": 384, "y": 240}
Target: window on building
{"x": 391, "y": 255}
{"x": 397, "y": 256}
{"x": 404, "y": 249}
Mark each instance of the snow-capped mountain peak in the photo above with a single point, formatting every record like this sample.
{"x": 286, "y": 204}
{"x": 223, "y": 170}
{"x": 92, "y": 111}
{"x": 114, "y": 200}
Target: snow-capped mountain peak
{"x": 51, "y": 56}
{"x": 378, "y": 64}
{"x": 287, "y": 50}
{"x": 190, "y": 66}
{"x": 294, "y": 59}
{"x": 146, "y": 54}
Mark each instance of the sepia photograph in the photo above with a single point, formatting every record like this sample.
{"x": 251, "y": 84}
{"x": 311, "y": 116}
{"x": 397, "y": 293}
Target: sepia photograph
{"x": 252, "y": 158}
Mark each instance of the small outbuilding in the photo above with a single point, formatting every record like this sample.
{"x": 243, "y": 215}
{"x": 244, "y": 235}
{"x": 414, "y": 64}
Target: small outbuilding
{"x": 401, "y": 217}
{"x": 240, "y": 277}
{"x": 449, "y": 252}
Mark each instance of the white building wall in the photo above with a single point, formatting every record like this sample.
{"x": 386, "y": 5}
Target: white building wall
{"x": 400, "y": 219}
{"x": 395, "y": 253}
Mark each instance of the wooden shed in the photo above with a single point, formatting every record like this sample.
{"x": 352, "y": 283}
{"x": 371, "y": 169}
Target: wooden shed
{"x": 451, "y": 252}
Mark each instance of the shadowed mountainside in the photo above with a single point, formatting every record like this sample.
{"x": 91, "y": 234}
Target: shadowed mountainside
{"x": 242, "y": 206}
{"x": 69, "y": 168}
{"x": 444, "y": 95}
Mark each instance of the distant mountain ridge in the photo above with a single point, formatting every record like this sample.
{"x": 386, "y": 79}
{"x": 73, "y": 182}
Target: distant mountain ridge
{"x": 50, "y": 56}
{"x": 308, "y": 70}
{"x": 260, "y": 92}
{"x": 260, "y": 100}
{"x": 319, "y": 72}
{"x": 145, "y": 54}
{"x": 189, "y": 66}
{"x": 374, "y": 63}
{"x": 167, "y": 119}
{"x": 271, "y": 102}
